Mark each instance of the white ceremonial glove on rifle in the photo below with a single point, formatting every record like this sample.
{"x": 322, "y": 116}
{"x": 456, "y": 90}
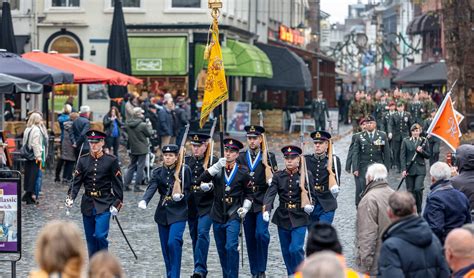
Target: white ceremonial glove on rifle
{"x": 266, "y": 216}
{"x": 113, "y": 210}
{"x": 335, "y": 190}
{"x": 142, "y": 204}
{"x": 308, "y": 209}
{"x": 177, "y": 197}
{"x": 390, "y": 136}
{"x": 69, "y": 202}
{"x": 216, "y": 168}
{"x": 269, "y": 181}
{"x": 242, "y": 211}
{"x": 205, "y": 186}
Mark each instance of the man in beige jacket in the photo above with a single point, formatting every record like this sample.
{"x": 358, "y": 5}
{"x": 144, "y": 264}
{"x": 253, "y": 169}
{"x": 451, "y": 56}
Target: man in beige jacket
{"x": 372, "y": 218}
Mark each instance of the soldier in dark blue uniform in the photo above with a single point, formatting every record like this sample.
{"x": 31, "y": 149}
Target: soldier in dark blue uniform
{"x": 256, "y": 230}
{"x": 291, "y": 216}
{"x": 172, "y": 210}
{"x": 232, "y": 201}
{"x": 103, "y": 191}
{"x": 199, "y": 203}
{"x": 317, "y": 163}
{"x": 319, "y": 109}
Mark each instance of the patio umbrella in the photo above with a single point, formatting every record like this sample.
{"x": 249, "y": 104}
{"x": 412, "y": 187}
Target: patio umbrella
{"x": 118, "y": 52}
{"x": 11, "y": 84}
{"x": 7, "y": 37}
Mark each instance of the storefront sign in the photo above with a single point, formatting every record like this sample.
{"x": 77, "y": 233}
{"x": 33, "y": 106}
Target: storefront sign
{"x": 9, "y": 218}
{"x": 149, "y": 64}
{"x": 292, "y": 36}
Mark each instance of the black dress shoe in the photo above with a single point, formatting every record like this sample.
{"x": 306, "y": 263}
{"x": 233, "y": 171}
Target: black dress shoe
{"x": 137, "y": 189}
{"x": 262, "y": 275}
{"x": 197, "y": 275}
{"x": 127, "y": 188}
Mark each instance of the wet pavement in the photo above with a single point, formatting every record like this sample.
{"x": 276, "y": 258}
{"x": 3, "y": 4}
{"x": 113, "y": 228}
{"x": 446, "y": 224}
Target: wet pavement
{"x": 142, "y": 231}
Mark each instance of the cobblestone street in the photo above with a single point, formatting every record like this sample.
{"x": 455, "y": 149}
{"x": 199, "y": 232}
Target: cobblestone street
{"x": 142, "y": 231}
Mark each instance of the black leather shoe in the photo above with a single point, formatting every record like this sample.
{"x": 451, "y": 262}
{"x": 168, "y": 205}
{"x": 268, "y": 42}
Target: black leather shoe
{"x": 197, "y": 275}
{"x": 262, "y": 275}
{"x": 137, "y": 189}
{"x": 127, "y": 188}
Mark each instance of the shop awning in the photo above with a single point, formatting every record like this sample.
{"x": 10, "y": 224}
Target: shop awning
{"x": 290, "y": 72}
{"x": 159, "y": 55}
{"x": 251, "y": 61}
{"x": 425, "y": 73}
{"x": 427, "y": 22}
{"x": 227, "y": 55}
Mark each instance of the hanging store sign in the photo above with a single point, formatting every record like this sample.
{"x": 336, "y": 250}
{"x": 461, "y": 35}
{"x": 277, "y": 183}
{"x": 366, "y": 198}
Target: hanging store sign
{"x": 290, "y": 35}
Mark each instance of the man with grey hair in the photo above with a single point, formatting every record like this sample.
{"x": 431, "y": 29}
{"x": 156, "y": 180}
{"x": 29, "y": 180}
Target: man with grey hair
{"x": 459, "y": 252}
{"x": 324, "y": 264}
{"x": 80, "y": 127}
{"x": 446, "y": 207}
{"x": 372, "y": 218}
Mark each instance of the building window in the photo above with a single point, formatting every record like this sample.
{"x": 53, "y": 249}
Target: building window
{"x": 186, "y": 4}
{"x": 14, "y": 5}
{"x": 65, "y": 3}
{"x": 65, "y": 45}
{"x": 128, "y": 3}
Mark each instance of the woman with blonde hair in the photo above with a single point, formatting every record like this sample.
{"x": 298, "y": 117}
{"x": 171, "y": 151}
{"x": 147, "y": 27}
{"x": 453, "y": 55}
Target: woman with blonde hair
{"x": 36, "y": 138}
{"x": 105, "y": 265}
{"x": 60, "y": 251}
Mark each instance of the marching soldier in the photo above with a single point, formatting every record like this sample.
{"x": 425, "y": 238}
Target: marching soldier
{"x": 398, "y": 129}
{"x": 172, "y": 210}
{"x": 433, "y": 141}
{"x": 357, "y": 111}
{"x": 370, "y": 146}
{"x": 416, "y": 110}
{"x": 428, "y": 103}
{"x": 256, "y": 230}
{"x": 350, "y": 153}
{"x": 387, "y": 116}
{"x": 380, "y": 108}
{"x": 319, "y": 108}
{"x": 292, "y": 214}
{"x": 369, "y": 104}
{"x": 415, "y": 176}
{"x": 232, "y": 201}
{"x": 103, "y": 191}
{"x": 199, "y": 203}
{"x": 317, "y": 164}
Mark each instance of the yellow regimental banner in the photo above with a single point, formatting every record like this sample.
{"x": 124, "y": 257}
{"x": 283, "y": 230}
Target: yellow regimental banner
{"x": 215, "y": 91}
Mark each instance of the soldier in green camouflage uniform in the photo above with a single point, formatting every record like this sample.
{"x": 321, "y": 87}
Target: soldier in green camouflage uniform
{"x": 399, "y": 128}
{"x": 357, "y": 111}
{"x": 415, "y": 177}
{"x": 428, "y": 103}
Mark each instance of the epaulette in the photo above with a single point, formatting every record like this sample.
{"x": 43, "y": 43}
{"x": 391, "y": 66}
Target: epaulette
{"x": 109, "y": 154}
{"x": 84, "y": 155}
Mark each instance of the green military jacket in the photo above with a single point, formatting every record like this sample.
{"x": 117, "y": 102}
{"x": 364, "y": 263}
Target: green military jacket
{"x": 407, "y": 152}
{"x": 357, "y": 110}
{"x": 417, "y": 112}
{"x": 367, "y": 151}
{"x": 400, "y": 125}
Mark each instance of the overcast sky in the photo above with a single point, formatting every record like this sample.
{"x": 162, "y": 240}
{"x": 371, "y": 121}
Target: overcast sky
{"x": 337, "y": 9}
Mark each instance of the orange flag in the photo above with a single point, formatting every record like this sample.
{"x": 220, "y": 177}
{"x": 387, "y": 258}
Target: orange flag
{"x": 445, "y": 124}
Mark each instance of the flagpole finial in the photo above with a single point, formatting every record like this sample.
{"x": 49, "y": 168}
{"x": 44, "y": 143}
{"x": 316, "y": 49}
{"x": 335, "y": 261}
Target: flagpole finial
{"x": 215, "y": 5}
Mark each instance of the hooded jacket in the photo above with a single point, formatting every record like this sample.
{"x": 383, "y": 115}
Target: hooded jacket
{"x": 138, "y": 133}
{"x": 405, "y": 255}
{"x": 464, "y": 182}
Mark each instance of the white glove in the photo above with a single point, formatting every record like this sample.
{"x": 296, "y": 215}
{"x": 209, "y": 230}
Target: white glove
{"x": 69, "y": 202}
{"x": 244, "y": 209}
{"x": 269, "y": 181}
{"x": 335, "y": 190}
{"x": 266, "y": 216}
{"x": 177, "y": 197}
{"x": 113, "y": 210}
{"x": 142, "y": 204}
{"x": 216, "y": 168}
{"x": 390, "y": 136}
{"x": 308, "y": 209}
{"x": 206, "y": 186}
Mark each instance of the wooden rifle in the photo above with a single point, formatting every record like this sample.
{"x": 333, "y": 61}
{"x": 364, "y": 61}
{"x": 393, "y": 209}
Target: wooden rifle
{"x": 210, "y": 147}
{"x": 265, "y": 156}
{"x": 332, "y": 176}
{"x": 412, "y": 161}
{"x": 177, "y": 187}
{"x": 306, "y": 198}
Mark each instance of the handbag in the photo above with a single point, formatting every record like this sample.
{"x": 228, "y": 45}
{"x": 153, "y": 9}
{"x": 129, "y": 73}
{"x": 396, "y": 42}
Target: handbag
{"x": 25, "y": 151}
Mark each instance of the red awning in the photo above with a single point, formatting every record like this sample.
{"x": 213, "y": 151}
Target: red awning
{"x": 84, "y": 72}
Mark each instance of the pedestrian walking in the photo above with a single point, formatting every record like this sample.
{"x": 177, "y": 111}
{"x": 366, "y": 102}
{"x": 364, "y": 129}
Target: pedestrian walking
{"x": 415, "y": 176}
{"x": 319, "y": 109}
{"x": 139, "y": 133}
{"x": 464, "y": 182}
{"x": 372, "y": 218}
{"x": 68, "y": 155}
{"x": 232, "y": 201}
{"x": 292, "y": 214}
{"x": 101, "y": 177}
{"x": 167, "y": 123}
{"x": 317, "y": 164}
{"x": 172, "y": 210}
{"x": 399, "y": 128}
{"x": 370, "y": 147}
{"x": 459, "y": 252}
{"x": 403, "y": 254}
{"x": 105, "y": 265}
{"x": 62, "y": 118}
{"x": 199, "y": 202}
{"x": 59, "y": 251}
{"x": 446, "y": 207}
{"x": 113, "y": 128}
{"x": 36, "y": 138}
{"x": 80, "y": 127}
{"x": 256, "y": 231}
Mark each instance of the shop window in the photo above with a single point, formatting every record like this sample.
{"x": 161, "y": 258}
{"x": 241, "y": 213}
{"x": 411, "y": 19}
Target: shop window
{"x": 186, "y": 4}
{"x": 65, "y": 45}
{"x": 65, "y": 3}
{"x": 128, "y": 3}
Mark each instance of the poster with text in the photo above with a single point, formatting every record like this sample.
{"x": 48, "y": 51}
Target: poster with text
{"x": 9, "y": 217}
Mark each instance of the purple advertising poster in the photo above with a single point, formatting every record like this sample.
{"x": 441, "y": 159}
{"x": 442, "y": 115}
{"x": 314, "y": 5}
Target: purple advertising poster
{"x": 8, "y": 216}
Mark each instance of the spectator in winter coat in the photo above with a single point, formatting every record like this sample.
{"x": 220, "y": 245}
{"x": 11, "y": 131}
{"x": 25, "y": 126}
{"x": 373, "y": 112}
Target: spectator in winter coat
{"x": 138, "y": 134}
{"x": 62, "y": 118}
{"x": 113, "y": 128}
{"x": 402, "y": 253}
{"x": 372, "y": 218}
{"x": 152, "y": 114}
{"x": 67, "y": 150}
{"x": 459, "y": 252}
{"x": 446, "y": 208}
{"x": 80, "y": 126}
{"x": 464, "y": 182}
{"x": 167, "y": 127}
